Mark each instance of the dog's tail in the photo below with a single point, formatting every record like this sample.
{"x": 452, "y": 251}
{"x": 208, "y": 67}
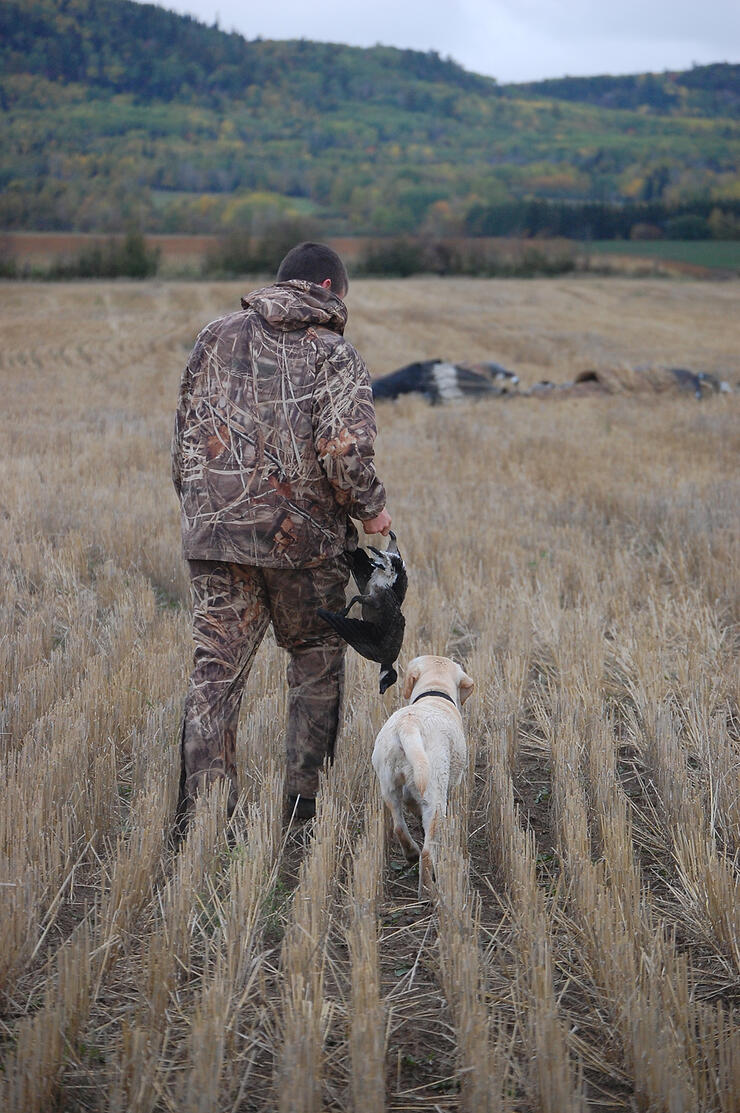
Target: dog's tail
{"x": 413, "y": 746}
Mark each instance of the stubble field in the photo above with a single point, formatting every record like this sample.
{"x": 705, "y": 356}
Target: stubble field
{"x": 579, "y": 557}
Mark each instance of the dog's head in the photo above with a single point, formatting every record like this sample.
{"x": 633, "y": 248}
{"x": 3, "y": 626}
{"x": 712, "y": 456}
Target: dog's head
{"x": 429, "y": 672}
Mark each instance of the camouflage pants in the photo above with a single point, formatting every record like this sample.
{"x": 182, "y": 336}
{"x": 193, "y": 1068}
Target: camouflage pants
{"x": 233, "y": 604}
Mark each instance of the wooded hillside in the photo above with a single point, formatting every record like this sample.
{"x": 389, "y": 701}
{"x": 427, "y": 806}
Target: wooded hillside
{"x": 117, "y": 113}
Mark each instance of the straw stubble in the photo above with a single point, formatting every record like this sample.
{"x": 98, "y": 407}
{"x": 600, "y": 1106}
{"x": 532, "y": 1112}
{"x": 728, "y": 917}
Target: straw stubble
{"x": 577, "y": 558}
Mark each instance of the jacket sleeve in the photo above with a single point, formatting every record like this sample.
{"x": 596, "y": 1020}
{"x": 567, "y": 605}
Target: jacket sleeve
{"x": 344, "y": 430}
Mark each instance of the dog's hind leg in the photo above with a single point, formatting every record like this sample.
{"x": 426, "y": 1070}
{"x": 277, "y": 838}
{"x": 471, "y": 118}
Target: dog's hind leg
{"x": 400, "y": 830}
{"x": 431, "y": 815}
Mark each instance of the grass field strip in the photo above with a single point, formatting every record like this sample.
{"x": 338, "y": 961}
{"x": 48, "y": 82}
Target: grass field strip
{"x": 580, "y": 560}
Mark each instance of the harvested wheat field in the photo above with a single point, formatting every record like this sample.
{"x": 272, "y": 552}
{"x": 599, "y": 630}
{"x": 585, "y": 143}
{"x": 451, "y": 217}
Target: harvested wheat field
{"x": 579, "y": 558}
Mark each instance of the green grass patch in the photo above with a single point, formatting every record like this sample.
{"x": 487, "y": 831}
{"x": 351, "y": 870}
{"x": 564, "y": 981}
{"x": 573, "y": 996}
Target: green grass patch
{"x": 704, "y": 253}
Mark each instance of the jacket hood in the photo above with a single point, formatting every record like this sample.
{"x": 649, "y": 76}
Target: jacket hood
{"x": 297, "y": 304}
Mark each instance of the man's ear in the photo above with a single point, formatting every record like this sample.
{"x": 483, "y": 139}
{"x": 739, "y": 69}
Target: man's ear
{"x": 326, "y": 284}
{"x": 465, "y": 686}
{"x": 412, "y": 675}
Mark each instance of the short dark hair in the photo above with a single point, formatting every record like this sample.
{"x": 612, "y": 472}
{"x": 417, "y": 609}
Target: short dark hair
{"x": 314, "y": 262}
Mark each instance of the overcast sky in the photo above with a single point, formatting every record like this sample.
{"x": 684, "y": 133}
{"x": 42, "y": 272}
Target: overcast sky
{"x": 512, "y": 40}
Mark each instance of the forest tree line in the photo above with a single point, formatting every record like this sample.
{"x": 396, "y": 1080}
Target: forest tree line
{"x": 118, "y": 115}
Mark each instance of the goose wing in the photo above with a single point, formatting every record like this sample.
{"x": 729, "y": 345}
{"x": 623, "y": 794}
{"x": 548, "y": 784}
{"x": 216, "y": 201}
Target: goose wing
{"x": 364, "y": 637}
{"x": 401, "y": 584}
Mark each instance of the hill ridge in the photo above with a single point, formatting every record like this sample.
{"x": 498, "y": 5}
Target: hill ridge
{"x": 117, "y": 112}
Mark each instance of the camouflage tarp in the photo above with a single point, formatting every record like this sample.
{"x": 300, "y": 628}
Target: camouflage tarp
{"x": 654, "y": 380}
{"x": 274, "y": 433}
{"x": 632, "y": 380}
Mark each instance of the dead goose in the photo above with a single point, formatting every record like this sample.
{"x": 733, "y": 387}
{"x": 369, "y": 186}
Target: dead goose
{"x": 381, "y": 582}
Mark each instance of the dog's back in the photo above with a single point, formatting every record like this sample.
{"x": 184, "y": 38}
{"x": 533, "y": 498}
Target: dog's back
{"x": 424, "y": 748}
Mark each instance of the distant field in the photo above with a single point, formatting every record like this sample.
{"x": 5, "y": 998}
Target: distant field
{"x": 185, "y": 255}
{"x": 39, "y": 249}
{"x": 579, "y": 557}
{"x": 702, "y": 253}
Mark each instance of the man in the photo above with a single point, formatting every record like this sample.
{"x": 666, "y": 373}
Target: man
{"x": 272, "y": 453}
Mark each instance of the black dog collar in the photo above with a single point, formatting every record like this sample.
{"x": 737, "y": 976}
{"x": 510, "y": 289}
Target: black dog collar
{"x": 433, "y": 692}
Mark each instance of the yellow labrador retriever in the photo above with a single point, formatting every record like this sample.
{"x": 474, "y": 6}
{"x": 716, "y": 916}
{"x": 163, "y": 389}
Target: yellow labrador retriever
{"x": 419, "y": 753}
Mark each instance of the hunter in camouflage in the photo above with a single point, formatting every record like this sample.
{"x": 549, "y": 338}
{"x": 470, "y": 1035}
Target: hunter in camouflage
{"x": 272, "y": 453}
{"x": 274, "y": 433}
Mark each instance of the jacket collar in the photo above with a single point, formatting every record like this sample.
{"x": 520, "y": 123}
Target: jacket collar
{"x": 296, "y": 304}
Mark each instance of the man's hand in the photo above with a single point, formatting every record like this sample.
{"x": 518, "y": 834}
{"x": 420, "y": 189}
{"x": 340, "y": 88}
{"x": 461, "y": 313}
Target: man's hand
{"x": 381, "y": 523}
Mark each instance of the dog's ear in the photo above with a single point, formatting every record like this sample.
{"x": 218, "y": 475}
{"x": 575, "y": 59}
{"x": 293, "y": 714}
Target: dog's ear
{"x": 412, "y": 675}
{"x": 465, "y": 687}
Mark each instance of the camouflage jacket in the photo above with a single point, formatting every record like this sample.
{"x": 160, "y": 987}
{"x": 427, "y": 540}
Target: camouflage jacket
{"x": 274, "y": 431}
